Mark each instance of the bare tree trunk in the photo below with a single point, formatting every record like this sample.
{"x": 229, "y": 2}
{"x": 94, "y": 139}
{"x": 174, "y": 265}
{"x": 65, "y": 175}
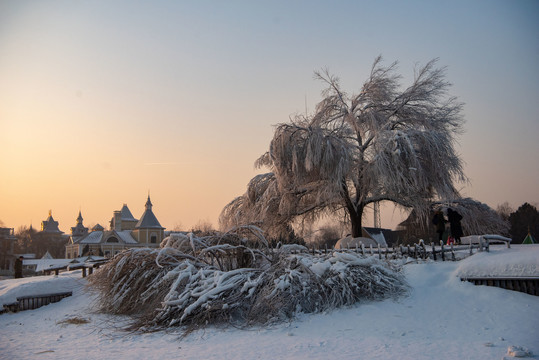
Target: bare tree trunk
{"x": 356, "y": 225}
{"x": 356, "y": 217}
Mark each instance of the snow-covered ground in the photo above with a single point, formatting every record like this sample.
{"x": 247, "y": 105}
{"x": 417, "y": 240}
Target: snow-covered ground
{"x": 443, "y": 318}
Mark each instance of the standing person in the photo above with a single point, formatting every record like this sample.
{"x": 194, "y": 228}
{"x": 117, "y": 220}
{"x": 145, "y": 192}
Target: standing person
{"x": 454, "y": 224}
{"x": 439, "y": 221}
{"x": 18, "y": 267}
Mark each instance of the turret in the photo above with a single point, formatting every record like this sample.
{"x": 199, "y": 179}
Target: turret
{"x": 79, "y": 229}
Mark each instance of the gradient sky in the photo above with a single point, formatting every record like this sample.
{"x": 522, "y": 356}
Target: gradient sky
{"x": 103, "y": 101}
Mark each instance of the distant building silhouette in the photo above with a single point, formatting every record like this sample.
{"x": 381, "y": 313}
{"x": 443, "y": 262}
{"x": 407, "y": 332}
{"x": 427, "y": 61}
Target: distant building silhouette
{"x": 125, "y": 232}
{"x": 50, "y": 226}
{"x": 7, "y": 240}
{"x": 50, "y": 239}
{"x": 79, "y": 229}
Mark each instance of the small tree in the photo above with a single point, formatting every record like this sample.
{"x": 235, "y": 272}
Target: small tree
{"x": 504, "y": 210}
{"x": 327, "y": 236}
{"x": 382, "y": 144}
{"x": 202, "y": 228}
{"x": 26, "y": 239}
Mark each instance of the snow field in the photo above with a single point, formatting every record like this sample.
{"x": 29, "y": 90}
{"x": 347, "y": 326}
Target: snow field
{"x": 442, "y": 318}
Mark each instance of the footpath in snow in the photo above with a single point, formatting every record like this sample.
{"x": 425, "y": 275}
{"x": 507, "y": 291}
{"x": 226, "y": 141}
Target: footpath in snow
{"x": 442, "y": 318}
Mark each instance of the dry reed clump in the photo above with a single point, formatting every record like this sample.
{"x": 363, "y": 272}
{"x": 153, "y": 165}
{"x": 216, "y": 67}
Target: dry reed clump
{"x": 233, "y": 279}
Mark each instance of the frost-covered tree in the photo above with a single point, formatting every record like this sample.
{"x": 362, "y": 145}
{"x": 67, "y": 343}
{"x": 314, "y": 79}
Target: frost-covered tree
{"x": 384, "y": 143}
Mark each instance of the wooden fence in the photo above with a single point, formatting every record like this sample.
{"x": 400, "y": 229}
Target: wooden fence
{"x": 528, "y": 285}
{"x": 34, "y": 301}
{"x": 417, "y": 251}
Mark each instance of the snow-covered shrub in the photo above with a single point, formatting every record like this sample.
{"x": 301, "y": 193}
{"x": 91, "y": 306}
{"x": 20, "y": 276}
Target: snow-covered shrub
{"x": 232, "y": 279}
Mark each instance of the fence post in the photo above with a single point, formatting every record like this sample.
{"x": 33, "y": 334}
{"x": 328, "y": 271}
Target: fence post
{"x": 443, "y": 252}
{"x": 433, "y": 251}
{"x": 379, "y": 252}
{"x": 480, "y": 243}
{"x": 362, "y": 249}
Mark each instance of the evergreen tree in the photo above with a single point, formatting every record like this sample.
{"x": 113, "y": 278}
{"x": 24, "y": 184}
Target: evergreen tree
{"x": 525, "y": 219}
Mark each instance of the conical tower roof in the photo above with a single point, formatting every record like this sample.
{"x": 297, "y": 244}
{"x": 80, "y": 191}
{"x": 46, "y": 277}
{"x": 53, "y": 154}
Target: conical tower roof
{"x": 148, "y": 219}
{"x": 126, "y": 214}
{"x": 79, "y": 218}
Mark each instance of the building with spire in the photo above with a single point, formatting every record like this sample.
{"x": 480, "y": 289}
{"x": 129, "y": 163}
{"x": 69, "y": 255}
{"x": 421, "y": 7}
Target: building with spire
{"x": 148, "y": 230}
{"x": 125, "y": 232}
{"x": 50, "y": 226}
{"x": 79, "y": 229}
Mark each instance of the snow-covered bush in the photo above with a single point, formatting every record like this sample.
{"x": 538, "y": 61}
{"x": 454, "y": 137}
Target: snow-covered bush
{"x": 233, "y": 279}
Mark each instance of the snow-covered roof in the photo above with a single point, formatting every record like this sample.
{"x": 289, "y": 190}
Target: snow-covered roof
{"x": 377, "y": 236}
{"x": 47, "y": 255}
{"x": 97, "y": 237}
{"x": 46, "y": 264}
{"x": 125, "y": 236}
{"x": 49, "y": 264}
{"x": 26, "y": 256}
{"x": 92, "y": 238}
{"x": 89, "y": 258}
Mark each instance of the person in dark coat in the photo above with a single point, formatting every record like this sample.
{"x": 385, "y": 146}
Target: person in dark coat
{"x": 439, "y": 221}
{"x": 18, "y": 267}
{"x": 454, "y": 219}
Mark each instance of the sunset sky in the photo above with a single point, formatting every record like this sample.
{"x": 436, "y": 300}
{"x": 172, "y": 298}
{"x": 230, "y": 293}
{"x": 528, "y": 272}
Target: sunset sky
{"x": 103, "y": 101}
